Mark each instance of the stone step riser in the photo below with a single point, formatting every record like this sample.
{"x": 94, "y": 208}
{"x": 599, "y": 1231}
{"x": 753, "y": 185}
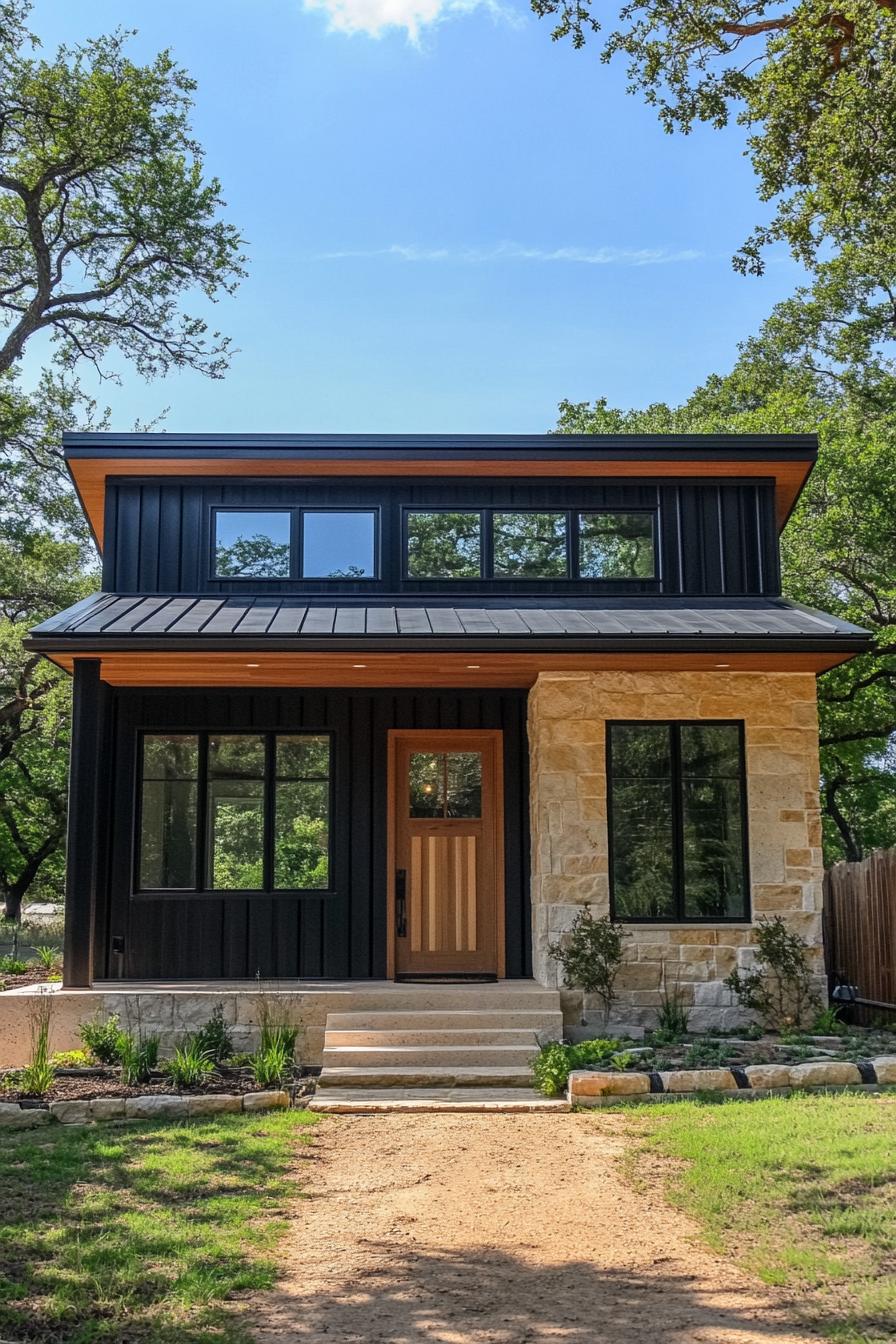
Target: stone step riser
{"x": 428, "y": 1057}
{"x": 526, "y": 1038}
{"x": 418, "y": 1077}
{"x": 450, "y": 998}
{"x": 516, "y": 1019}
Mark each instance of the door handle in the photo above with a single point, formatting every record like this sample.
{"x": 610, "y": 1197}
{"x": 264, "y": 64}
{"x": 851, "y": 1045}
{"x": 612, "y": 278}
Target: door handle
{"x": 401, "y": 903}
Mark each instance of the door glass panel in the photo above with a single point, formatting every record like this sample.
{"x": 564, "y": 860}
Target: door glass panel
{"x": 426, "y": 779}
{"x": 235, "y": 813}
{"x": 445, "y": 784}
{"x": 464, "y": 783}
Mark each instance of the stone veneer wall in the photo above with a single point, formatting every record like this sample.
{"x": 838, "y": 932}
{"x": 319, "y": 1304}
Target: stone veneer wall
{"x": 567, "y": 734}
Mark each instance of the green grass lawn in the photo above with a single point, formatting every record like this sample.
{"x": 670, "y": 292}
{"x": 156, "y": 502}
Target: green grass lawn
{"x": 145, "y": 1232}
{"x": 802, "y": 1190}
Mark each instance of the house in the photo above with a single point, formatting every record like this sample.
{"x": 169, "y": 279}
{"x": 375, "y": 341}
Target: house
{"x": 366, "y": 708}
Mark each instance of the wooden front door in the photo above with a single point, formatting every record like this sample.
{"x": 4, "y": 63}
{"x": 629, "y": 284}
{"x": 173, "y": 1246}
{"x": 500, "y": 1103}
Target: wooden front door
{"x": 446, "y": 852}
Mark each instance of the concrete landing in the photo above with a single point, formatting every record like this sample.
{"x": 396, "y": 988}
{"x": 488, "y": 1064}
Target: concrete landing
{"x": 420, "y": 1100}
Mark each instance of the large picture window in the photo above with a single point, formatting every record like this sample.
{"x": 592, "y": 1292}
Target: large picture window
{"x": 234, "y": 812}
{"x": 616, "y": 546}
{"x": 444, "y": 544}
{"x": 677, "y": 816}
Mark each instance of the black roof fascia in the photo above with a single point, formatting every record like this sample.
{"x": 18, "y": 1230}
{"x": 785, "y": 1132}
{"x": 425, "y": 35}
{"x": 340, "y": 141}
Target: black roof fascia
{"x": 611, "y": 447}
{"x": 62, "y": 644}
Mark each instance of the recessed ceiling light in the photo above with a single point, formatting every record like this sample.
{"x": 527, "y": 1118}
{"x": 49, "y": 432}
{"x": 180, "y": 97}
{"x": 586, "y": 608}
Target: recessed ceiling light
{"x": 253, "y": 664}
{"x": 359, "y": 664}
{"x": 723, "y": 664}
{"x": 473, "y": 667}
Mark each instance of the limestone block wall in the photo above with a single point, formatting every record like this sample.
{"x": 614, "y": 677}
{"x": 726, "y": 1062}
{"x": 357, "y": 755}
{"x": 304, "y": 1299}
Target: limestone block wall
{"x": 568, "y": 713}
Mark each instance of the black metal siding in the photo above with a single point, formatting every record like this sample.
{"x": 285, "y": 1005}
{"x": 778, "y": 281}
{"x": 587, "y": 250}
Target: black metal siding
{"x": 340, "y": 936}
{"x": 715, "y": 537}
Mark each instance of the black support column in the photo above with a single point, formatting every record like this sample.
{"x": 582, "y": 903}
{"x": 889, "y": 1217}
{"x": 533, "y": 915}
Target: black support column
{"x": 87, "y": 770}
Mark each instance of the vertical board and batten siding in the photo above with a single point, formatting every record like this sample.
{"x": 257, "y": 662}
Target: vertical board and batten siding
{"x": 715, "y": 537}
{"x": 860, "y": 932}
{"x": 340, "y": 935}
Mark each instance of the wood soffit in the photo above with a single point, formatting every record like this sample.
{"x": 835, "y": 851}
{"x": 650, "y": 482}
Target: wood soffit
{"x": 443, "y": 670}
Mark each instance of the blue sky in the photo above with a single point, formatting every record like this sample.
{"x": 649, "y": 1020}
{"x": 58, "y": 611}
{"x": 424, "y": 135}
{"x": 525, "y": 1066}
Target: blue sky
{"x": 452, "y": 222}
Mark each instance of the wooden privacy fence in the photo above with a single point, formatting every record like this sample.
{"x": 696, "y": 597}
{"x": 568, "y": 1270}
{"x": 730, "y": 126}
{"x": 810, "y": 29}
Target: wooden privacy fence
{"x": 860, "y": 932}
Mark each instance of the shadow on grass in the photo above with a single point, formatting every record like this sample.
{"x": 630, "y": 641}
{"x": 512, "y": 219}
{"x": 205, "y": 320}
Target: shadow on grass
{"x": 141, "y": 1233}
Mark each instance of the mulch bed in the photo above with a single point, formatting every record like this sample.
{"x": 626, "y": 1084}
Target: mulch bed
{"x": 35, "y": 975}
{"x": 106, "y": 1083}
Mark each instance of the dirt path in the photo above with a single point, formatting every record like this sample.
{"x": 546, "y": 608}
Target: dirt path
{"x": 497, "y": 1229}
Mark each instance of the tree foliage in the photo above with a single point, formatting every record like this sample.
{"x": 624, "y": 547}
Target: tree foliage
{"x": 839, "y": 551}
{"x": 106, "y": 216}
{"x": 107, "y": 223}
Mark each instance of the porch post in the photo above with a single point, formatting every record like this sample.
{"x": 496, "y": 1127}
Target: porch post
{"x": 82, "y": 844}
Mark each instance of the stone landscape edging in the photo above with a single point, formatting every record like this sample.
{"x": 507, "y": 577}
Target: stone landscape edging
{"x": 157, "y": 1106}
{"x": 587, "y": 1087}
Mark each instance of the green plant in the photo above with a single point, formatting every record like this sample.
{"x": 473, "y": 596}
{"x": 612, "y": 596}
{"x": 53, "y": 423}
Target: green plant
{"x": 706, "y": 1054}
{"x": 139, "y": 1056}
{"x": 71, "y": 1059}
{"x": 779, "y": 986}
{"x": 39, "y": 1074}
{"x": 827, "y": 1022}
{"x": 103, "y": 1038}
{"x": 13, "y": 966}
{"x": 214, "y": 1038}
{"x": 556, "y": 1060}
{"x": 47, "y": 957}
{"x": 591, "y": 955}
{"x": 190, "y": 1063}
{"x": 673, "y": 1014}
{"x": 271, "y": 1064}
{"x": 275, "y": 1029}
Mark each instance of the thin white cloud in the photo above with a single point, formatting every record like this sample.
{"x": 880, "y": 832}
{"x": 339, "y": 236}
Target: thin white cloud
{"x": 582, "y": 256}
{"x": 375, "y": 17}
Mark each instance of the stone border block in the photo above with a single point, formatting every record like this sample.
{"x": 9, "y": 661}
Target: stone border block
{"x": 14, "y": 1116}
{"x": 594, "y": 1088}
{"x": 826, "y": 1073}
{"x": 265, "y": 1101}
{"x": 591, "y": 1083}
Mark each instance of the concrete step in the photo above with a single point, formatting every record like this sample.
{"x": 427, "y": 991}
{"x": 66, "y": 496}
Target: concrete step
{"x": 451, "y": 1019}
{"x": 526, "y": 1037}
{"x": 505, "y": 994}
{"x": 453, "y": 1056}
{"x": 489, "y": 1075}
{"x": 373, "y": 1100}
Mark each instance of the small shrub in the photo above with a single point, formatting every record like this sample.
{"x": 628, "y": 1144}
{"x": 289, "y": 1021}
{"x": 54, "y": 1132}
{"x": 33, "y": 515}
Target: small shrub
{"x": 103, "y": 1038}
{"x": 271, "y": 1064}
{"x": 276, "y": 1029}
{"x": 190, "y": 1063}
{"x": 13, "y": 966}
{"x": 556, "y": 1060}
{"x": 139, "y": 1056}
{"x": 779, "y": 987}
{"x": 38, "y": 1075}
{"x": 71, "y": 1059}
{"x": 47, "y": 957}
{"x": 240, "y": 1059}
{"x": 591, "y": 956}
{"x": 706, "y": 1055}
{"x": 214, "y": 1038}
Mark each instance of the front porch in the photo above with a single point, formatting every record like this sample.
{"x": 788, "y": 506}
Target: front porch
{"x": 173, "y": 1009}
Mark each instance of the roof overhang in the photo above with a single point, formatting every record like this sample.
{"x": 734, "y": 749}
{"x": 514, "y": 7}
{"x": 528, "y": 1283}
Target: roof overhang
{"x": 92, "y": 459}
{"x": 361, "y": 667}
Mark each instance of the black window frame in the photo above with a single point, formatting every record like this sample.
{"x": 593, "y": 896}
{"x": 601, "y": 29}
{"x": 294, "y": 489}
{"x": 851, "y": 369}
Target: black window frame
{"x": 296, "y": 514}
{"x": 678, "y": 888}
{"x": 487, "y": 573}
{"x": 484, "y": 546}
{"x": 199, "y": 891}
{"x": 576, "y": 528}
